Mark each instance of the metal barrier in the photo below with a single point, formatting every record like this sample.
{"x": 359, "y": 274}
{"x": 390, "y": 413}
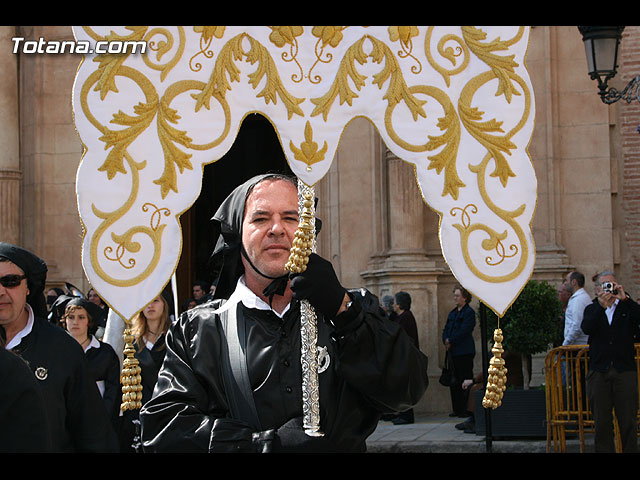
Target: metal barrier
{"x": 568, "y": 410}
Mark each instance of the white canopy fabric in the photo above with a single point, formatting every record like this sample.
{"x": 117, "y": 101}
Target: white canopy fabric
{"x": 455, "y": 102}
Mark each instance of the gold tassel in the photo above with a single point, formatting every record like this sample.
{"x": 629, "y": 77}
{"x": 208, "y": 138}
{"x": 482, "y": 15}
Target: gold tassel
{"x": 130, "y": 377}
{"x": 497, "y": 375}
{"x": 303, "y": 240}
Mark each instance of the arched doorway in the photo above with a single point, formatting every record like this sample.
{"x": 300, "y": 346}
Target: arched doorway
{"x": 256, "y": 150}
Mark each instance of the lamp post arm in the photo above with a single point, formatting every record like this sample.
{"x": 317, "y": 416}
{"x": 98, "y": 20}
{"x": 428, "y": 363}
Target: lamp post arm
{"x": 629, "y": 93}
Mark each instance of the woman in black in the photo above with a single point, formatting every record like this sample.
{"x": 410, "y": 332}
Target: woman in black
{"x": 457, "y": 337}
{"x": 104, "y": 366}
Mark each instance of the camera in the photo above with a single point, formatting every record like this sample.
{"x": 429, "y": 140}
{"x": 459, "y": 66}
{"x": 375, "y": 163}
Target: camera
{"x": 608, "y": 287}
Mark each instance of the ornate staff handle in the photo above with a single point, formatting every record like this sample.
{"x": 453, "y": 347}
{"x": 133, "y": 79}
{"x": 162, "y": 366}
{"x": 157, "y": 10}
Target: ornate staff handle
{"x": 303, "y": 245}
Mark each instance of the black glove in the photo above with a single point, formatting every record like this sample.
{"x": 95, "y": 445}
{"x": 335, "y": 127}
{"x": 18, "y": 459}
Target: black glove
{"x": 291, "y": 438}
{"x": 233, "y": 436}
{"x": 319, "y": 285}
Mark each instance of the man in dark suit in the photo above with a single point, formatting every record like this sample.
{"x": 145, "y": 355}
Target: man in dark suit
{"x": 611, "y": 322}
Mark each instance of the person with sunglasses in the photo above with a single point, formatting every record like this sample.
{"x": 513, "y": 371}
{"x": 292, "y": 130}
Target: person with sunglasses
{"x": 76, "y": 417}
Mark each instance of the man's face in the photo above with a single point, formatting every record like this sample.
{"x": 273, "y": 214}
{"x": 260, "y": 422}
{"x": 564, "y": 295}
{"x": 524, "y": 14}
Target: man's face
{"x": 567, "y": 281}
{"x": 198, "y": 292}
{"x": 12, "y": 300}
{"x": 269, "y": 226}
{"x": 604, "y": 279}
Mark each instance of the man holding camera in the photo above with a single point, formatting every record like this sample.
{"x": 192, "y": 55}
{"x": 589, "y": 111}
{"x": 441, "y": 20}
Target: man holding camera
{"x": 611, "y": 322}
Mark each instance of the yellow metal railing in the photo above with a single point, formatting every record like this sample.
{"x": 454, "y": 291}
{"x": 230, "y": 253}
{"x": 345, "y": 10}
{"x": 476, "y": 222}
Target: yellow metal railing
{"x": 568, "y": 410}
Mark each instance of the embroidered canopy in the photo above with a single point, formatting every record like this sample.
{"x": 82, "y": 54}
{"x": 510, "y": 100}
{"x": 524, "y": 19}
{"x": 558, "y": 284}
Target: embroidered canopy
{"x": 455, "y": 102}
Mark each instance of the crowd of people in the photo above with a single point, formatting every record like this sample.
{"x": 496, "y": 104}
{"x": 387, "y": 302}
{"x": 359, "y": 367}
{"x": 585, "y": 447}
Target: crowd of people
{"x": 224, "y": 377}
{"x": 609, "y": 323}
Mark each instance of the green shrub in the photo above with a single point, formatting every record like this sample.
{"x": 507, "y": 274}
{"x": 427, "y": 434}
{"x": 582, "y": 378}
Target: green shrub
{"x": 532, "y": 322}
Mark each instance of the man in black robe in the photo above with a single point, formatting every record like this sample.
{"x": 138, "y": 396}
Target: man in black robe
{"x": 369, "y": 366}
{"x": 76, "y": 417}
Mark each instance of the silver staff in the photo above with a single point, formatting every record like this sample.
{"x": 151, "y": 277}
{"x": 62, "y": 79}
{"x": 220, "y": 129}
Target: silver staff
{"x": 304, "y": 244}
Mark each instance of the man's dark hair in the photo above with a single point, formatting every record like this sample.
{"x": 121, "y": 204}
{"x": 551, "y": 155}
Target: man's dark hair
{"x": 403, "y": 300}
{"x": 202, "y": 284}
{"x": 578, "y": 277}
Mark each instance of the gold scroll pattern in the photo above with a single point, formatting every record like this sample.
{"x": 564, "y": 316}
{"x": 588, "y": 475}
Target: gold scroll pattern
{"x": 222, "y": 58}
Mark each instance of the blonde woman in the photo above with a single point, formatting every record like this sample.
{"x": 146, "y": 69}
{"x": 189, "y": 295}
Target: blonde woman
{"x": 149, "y": 328}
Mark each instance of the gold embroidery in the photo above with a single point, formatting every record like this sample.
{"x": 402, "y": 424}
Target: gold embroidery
{"x": 281, "y": 36}
{"x": 447, "y": 52}
{"x": 388, "y": 58}
{"x": 161, "y": 48}
{"x": 218, "y": 84}
{"x": 450, "y": 139}
{"x": 397, "y": 90}
{"x": 308, "y": 151}
{"x": 331, "y": 36}
{"x": 404, "y": 35}
{"x": 502, "y": 67}
{"x": 206, "y": 37}
{"x": 495, "y": 238}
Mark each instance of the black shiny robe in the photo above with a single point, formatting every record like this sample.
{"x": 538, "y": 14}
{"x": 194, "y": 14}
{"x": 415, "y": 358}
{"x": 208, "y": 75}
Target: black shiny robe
{"x": 374, "y": 369}
{"x": 76, "y": 414}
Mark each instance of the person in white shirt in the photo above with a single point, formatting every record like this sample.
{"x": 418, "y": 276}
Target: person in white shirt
{"x": 573, "y": 334}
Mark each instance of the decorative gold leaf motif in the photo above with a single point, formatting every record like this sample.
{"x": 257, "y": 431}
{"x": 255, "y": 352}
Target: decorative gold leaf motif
{"x": 405, "y": 34}
{"x": 110, "y": 63}
{"x": 501, "y": 66}
{"x": 173, "y": 156}
{"x": 448, "y": 52}
{"x": 471, "y": 118}
{"x": 121, "y": 139}
{"x": 281, "y": 36}
{"x": 397, "y": 90}
{"x": 308, "y": 151}
{"x": 330, "y": 35}
{"x": 163, "y": 47}
{"x": 218, "y": 84}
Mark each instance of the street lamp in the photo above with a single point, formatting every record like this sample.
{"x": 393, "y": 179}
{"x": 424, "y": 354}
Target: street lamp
{"x": 601, "y": 47}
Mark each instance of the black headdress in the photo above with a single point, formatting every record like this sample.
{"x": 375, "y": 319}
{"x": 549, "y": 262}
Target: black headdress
{"x": 63, "y": 301}
{"x": 35, "y": 270}
{"x": 225, "y": 261}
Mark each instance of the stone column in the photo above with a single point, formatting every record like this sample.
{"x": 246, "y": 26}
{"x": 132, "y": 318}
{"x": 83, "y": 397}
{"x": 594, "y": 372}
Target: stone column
{"x": 10, "y": 173}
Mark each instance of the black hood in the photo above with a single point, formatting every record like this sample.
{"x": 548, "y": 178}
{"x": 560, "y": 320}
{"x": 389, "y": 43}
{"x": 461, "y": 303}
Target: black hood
{"x": 36, "y": 271}
{"x": 225, "y": 262}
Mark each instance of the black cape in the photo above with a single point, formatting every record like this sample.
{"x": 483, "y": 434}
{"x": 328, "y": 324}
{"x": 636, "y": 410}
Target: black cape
{"x": 76, "y": 414}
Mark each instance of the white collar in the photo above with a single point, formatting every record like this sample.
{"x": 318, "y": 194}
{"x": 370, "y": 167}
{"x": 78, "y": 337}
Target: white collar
{"x": 15, "y": 341}
{"x": 613, "y": 305}
{"x": 94, "y": 343}
{"x": 249, "y": 299}
{"x": 578, "y": 292}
